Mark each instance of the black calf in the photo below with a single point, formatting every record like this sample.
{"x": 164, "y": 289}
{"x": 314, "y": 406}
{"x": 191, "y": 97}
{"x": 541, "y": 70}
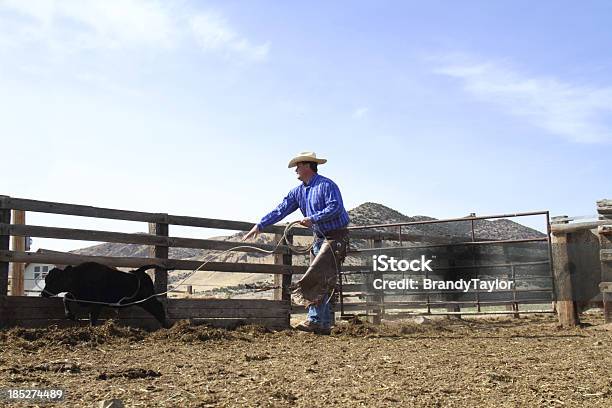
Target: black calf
{"x": 94, "y": 282}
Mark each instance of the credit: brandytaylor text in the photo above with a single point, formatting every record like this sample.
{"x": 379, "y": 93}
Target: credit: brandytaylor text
{"x": 391, "y": 265}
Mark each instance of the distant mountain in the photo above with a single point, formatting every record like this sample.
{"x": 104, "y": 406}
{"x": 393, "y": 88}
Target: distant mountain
{"x": 374, "y": 213}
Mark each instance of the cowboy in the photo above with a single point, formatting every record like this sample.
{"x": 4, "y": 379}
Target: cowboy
{"x": 320, "y": 202}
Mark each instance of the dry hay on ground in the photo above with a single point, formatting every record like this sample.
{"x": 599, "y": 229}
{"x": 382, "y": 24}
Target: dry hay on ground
{"x": 472, "y": 362}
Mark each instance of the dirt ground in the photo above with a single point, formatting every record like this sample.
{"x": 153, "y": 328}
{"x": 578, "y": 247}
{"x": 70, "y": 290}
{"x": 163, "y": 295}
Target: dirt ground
{"x": 441, "y": 363}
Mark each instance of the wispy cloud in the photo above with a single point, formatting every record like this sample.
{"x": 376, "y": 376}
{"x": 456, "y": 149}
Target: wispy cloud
{"x": 360, "y": 112}
{"x": 70, "y": 26}
{"x": 577, "y": 112}
{"x": 214, "y": 33}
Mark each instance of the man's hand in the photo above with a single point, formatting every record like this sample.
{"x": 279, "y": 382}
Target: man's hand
{"x": 306, "y": 222}
{"x": 252, "y": 233}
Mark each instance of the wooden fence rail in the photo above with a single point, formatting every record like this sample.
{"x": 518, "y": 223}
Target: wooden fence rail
{"x": 127, "y": 238}
{"x": 27, "y": 311}
{"x": 134, "y": 262}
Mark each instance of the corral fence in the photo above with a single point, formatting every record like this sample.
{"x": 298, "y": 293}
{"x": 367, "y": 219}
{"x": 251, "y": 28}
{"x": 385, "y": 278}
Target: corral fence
{"x": 541, "y": 265}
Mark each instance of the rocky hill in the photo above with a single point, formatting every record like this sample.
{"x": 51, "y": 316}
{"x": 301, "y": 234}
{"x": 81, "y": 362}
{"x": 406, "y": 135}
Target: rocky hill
{"x": 373, "y": 213}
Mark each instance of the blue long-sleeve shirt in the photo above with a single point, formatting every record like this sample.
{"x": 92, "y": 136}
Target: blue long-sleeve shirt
{"x": 320, "y": 200}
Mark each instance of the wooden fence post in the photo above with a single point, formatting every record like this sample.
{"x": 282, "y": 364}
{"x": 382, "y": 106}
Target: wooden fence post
{"x": 5, "y": 218}
{"x": 566, "y": 307}
{"x": 285, "y": 280}
{"x": 604, "y": 208}
{"x": 17, "y": 278}
{"x": 278, "y": 278}
{"x": 160, "y": 251}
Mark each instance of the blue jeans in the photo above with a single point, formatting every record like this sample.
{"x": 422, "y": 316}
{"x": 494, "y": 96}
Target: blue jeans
{"x": 322, "y": 313}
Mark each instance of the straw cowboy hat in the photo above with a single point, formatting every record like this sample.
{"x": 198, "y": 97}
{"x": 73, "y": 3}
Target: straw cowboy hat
{"x": 306, "y": 157}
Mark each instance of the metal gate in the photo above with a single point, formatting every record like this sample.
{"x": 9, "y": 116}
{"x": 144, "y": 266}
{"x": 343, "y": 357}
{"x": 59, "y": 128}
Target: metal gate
{"x": 474, "y": 265}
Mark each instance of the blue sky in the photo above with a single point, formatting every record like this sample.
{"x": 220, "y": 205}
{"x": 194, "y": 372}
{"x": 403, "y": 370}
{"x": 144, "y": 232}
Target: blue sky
{"x": 435, "y": 108}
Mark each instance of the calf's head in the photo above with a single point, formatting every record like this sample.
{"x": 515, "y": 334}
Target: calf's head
{"x": 57, "y": 281}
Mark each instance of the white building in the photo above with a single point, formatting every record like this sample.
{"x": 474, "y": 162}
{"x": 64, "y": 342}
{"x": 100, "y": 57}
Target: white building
{"x": 34, "y": 277}
{"x": 34, "y": 274}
